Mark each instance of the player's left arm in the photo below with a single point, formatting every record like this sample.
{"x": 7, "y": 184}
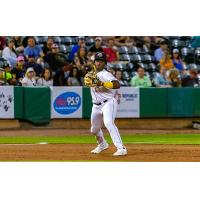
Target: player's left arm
{"x": 111, "y": 82}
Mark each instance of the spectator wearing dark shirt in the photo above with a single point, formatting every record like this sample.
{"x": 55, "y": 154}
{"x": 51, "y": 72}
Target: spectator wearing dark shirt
{"x": 61, "y": 75}
{"x": 18, "y": 40}
{"x": 32, "y": 64}
{"x": 97, "y": 46}
{"x": 55, "y": 59}
{"x": 191, "y": 80}
{"x": 2, "y": 42}
{"x": 33, "y": 49}
{"x": 47, "y": 47}
{"x": 19, "y": 72}
{"x": 81, "y": 43}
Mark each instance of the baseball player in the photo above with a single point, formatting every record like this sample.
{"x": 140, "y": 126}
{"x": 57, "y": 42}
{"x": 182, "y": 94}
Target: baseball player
{"x": 104, "y": 106}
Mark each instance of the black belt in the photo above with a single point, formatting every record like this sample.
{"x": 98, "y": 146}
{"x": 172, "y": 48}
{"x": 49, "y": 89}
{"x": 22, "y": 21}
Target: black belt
{"x": 98, "y": 104}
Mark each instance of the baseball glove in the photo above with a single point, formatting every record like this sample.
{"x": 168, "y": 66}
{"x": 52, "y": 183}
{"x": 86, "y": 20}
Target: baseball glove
{"x": 91, "y": 79}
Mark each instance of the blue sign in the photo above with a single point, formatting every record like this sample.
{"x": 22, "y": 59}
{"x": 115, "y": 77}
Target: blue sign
{"x": 67, "y": 103}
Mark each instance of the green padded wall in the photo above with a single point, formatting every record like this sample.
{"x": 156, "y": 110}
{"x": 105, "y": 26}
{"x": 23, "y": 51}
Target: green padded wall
{"x": 37, "y": 104}
{"x": 87, "y": 102}
{"x": 153, "y": 102}
{"x": 180, "y": 102}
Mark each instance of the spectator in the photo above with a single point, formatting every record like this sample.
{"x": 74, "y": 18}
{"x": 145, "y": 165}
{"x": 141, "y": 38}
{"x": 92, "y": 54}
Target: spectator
{"x": 18, "y": 40}
{"x": 166, "y": 60}
{"x": 177, "y": 61}
{"x": 160, "y": 51}
{"x": 81, "y": 59}
{"x": 33, "y": 49}
{"x": 123, "y": 41}
{"x": 19, "y": 71}
{"x": 173, "y": 78}
{"x": 32, "y": 64}
{"x": 55, "y": 59}
{"x": 161, "y": 79}
{"x": 7, "y": 75}
{"x": 74, "y": 77}
{"x": 140, "y": 80}
{"x": 81, "y": 43}
{"x": 61, "y": 75}
{"x": 29, "y": 79}
{"x": 47, "y": 47}
{"x": 2, "y": 42}
{"x": 9, "y": 53}
{"x": 118, "y": 75}
{"x": 111, "y": 52}
{"x": 191, "y": 80}
{"x": 97, "y": 46}
{"x": 46, "y": 78}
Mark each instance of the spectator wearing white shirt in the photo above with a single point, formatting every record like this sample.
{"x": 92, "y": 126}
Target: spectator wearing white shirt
{"x": 46, "y": 78}
{"x": 29, "y": 79}
{"x": 9, "y": 53}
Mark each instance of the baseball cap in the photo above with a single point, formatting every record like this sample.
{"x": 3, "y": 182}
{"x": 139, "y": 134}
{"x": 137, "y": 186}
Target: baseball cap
{"x": 175, "y": 51}
{"x": 30, "y": 69}
{"x": 100, "y": 56}
{"x": 5, "y": 64}
{"x": 54, "y": 46}
{"x": 20, "y": 58}
{"x": 98, "y": 38}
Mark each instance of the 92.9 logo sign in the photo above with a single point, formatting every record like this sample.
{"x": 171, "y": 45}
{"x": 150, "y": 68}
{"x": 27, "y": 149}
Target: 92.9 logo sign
{"x": 67, "y": 103}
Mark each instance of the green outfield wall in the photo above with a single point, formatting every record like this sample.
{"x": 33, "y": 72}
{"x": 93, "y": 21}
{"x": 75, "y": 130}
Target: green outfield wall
{"x": 36, "y": 104}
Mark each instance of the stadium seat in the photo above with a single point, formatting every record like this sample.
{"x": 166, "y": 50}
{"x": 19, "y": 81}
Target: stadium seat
{"x": 147, "y": 58}
{"x": 36, "y": 39}
{"x": 125, "y": 57}
{"x": 145, "y": 50}
{"x": 66, "y": 40}
{"x": 57, "y": 39}
{"x": 40, "y": 39}
{"x": 126, "y": 76}
{"x": 133, "y": 50}
{"x": 89, "y": 41}
{"x": 123, "y": 50}
{"x": 44, "y": 39}
{"x": 130, "y": 67}
{"x": 132, "y": 74}
{"x": 119, "y": 66}
{"x": 177, "y": 43}
{"x": 136, "y": 58}
{"x": 187, "y": 54}
{"x": 63, "y": 48}
{"x": 192, "y": 66}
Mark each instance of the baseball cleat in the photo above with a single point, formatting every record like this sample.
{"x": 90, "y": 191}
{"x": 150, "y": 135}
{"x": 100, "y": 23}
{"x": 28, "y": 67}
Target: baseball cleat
{"x": 100, "y": 148}
{"x": 120, "y": 152}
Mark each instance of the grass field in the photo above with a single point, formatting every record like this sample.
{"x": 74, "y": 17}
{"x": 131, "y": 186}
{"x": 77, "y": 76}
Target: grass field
{"x": 127, "y": 139}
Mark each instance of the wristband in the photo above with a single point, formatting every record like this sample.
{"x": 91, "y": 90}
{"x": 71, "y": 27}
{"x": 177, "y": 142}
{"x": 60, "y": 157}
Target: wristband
{"x": 108, "y": 85}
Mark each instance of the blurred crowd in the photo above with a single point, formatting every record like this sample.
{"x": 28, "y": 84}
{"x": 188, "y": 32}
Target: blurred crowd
{"x": 24, "y": 62}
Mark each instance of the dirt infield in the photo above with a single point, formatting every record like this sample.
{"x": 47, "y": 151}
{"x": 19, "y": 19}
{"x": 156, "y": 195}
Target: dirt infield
{"x": 81, "y": 152}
